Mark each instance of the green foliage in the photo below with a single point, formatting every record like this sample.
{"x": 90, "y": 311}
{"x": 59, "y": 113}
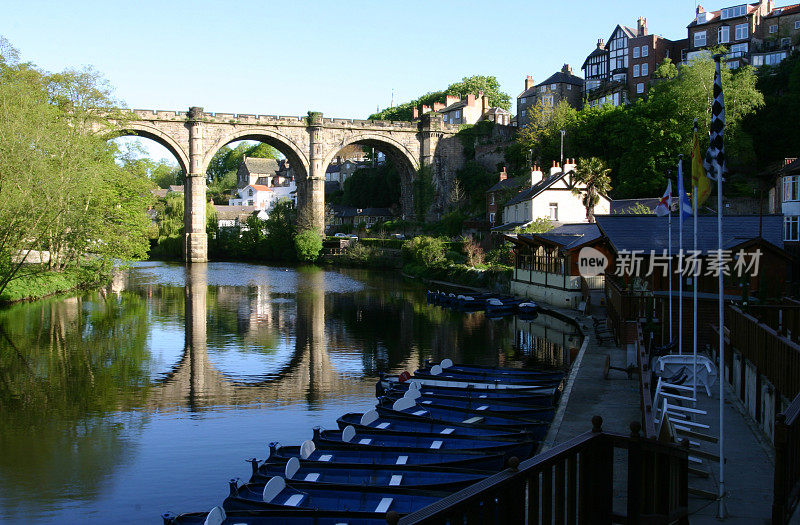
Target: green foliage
{"x": 641, "y": 142}
{"x": 269, "y": 240}
{"x": 162, "y": 173}
{"x": 423, "y": 192}
{"x": 594, "y": 174}
{"x": 539, "y": 225}
{"x": 468, "y": 85}
{"x": 308, "y": 244}
{"x": 60, "y": 188}
{"x": 32, "y": 283}
{"x": 425, "y": 251}
{"x": 636, "y": 209}
{"x": 774, "y": 128}
{"x": 377, "y": 187}
{"x": 475, "y": 179}
{"x": 222, "y": 169}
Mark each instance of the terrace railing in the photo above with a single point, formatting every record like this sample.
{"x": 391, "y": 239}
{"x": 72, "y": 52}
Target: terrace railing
{"x": 574, "y": 483}
{"x": 786, "y": 483}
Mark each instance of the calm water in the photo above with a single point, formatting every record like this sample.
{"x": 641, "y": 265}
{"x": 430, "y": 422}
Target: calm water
{"x": 147, "y": 398}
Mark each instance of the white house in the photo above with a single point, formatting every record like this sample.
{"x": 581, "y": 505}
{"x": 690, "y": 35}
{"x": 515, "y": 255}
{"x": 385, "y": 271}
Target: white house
{"x": 551, "y": 198}
{"x": 256, "y": 195}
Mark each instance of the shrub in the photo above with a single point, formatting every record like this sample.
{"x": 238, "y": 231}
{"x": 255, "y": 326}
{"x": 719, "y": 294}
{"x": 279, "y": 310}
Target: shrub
{"x": 425, "y": 251}
{"x": 308, "y": 244}
{"x": 473, "y": 251}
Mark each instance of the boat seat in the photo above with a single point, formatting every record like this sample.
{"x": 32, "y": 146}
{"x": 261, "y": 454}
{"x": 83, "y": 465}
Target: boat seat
{"x": 292, "y": 466}
{"x": 396, "y": 480}
{"x": 216, "y": 516}
{"x": 476, "y": 419}
{"x": 307, "y": 448}
{"x": 412, "y": 393}
{"x": 446, "y": 363}
{"x": 272, "y": 488}
{"x": 482, "y": 407}
{"x": 312, "y": 476}
{"x": 365, "y": 441}
{"x": 403, "y": 403}
{"x": 437, "y": 444}
{"x": 428, "y": 402}
{"x": 325, "y": 457}
{"x": 368, "y": 417}
{"x": 447, "y": 430}
{"x": 384, "y": 505}
{"x": 294, "y": 500}
{"x": 420, "y": 413}
{"x": 436, "y": 370}
{"x": 382, "y": 425}
{"x": 348, "y": 433}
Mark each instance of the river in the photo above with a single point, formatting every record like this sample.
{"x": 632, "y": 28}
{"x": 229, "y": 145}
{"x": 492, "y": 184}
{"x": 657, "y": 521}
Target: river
{"x": 147, "y": 397}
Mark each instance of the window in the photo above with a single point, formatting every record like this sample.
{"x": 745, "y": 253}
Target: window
{"x": 791, "y": 228}
{"x": 640, "y": 87}
{"x": 569, "y": 87}
{"x": 645, "y": 51}
{"x": 522, "y": 113}
{"x": 773, "y": 28}
{"x": 741, "y": 31}
{"x": 797, "y": 24}
{"x": 491, "y": 218}
{"x": 553, "y": 87}
{"x": 522, "y": 100}
{"x": 700, "y": 39}
{"x": 731, "y": 12}
{"x": 786, "y": 42}
{"x": 458, "y": 113}
{"x": 250, "y": 193}
{"x": 738, "y": 50}
{"x": 644, "y": 70}
{"x": 543, "y": 89}
{"x": 553, "y": 211}
{"x": 636, "y": 70}
{"x": 758, "y": 60}
{"x": 733, "y": 64}
{"x": 249, "y": 203}
{"x": 774, "y": 58}
{"x": 723, "y": 35}
{"x": 790, "y": 188}
{"x": 635, "y": 52}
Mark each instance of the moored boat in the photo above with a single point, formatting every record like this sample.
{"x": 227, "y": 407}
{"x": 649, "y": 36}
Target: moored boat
{"x": 509, "y": 406}
{"x": 451, "y": 380}
{"x": 218, "y": 516}
{"x": 447, "y": 367}
{"x": 387, "y": 456}
{"x": 411, "y": 476}
{"x": 277, "y": 493}
{"x": 482, "y": 414}
{"x": 399, "y": 422}
{"x": 362, "y": 439}
{"x": 518, "y": 394}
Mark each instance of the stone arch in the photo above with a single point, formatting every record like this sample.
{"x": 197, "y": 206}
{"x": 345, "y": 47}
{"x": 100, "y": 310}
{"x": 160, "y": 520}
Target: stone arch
{"x": 153, "y": 133}
{"x": 297, "y": 157}
{"x": 406, "y": 161}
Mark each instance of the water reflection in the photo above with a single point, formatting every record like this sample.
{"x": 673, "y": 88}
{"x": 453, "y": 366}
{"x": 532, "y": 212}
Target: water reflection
{"x": 146, "y": 397}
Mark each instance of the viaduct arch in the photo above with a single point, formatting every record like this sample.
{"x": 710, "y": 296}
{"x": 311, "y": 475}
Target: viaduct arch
{"x": 310, "y": 143}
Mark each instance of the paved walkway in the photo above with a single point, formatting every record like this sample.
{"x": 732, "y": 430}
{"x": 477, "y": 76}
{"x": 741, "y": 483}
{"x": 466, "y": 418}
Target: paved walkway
{"x": 749, "y": 468}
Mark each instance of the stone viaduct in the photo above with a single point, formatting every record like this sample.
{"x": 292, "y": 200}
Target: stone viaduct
{"x": 309, "y": 143}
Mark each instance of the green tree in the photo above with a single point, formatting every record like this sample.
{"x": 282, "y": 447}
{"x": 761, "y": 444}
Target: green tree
{"x": 423, "y": 192}
{"x": 595, "y": 175}
{"x": 425, "y": 251}
{"x": 477, "y": 84}
{"x": 308, "y": 244}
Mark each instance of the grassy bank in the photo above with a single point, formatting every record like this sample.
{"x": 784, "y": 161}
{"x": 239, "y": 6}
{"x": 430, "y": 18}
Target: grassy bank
{"x": 496, "y": 278}
{"x": 32, "y": 283}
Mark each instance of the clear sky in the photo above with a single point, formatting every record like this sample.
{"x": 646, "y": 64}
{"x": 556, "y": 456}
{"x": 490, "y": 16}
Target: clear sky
{"x": 343, "y": 58}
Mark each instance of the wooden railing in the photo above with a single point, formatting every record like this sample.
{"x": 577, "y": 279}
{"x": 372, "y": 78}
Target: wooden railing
{"x": 773, "y": 355}
{"x": 786, "y": 483}
{"x": 784, "y": 319}
{"x": 645, "y": 396}
{"x": 623, "y": 305}
{"x": 574, "y": 483}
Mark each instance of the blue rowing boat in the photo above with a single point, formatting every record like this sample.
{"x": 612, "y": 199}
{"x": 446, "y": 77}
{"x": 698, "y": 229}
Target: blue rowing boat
{"x": 400, "y": 423}
{"x": 218, "y": 516}
{"x": 410, "y": 476}
{"x": 277, "y": 493}
{"x": 523, "y": 395}
{"x": 394, "y": 456}
{"x": 436, "y": 372}
{"x": 447, "y": 367}
{"x": 453, "y": 381}
{"x": 502, "y": 306}
{"x": 367, "y": 440}
{"x": 510, "y": 406}
{"x": 482, "y": 414}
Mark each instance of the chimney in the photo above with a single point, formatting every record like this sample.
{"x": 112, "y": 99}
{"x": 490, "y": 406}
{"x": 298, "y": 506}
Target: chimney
{"x": 470, "y": 100}
{"x": 426, "y": 109}
{"x": 641, "y": 27}
{"x": 536, "y": 174}
{"x": 414, "y": 113}
{"x": 450, "y": 99}
{"x": 503, "y": 174}
{"x": 555, "y": 169}
{"x": 569, "y": 165}
{"x": 567, "y": 69}
{"x": 600, "y": 43}
{"x": 528, "y": 82}
{"x": 484, "y": 104}
{"x": 438, "y": 105}
{"x": 700, "y": 9}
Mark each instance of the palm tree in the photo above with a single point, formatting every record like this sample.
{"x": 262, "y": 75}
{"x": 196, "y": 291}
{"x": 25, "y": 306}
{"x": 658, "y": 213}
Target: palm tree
{"x": 595, "y": 175}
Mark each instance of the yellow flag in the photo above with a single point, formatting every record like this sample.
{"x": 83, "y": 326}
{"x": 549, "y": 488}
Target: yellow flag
{"x": 699, "y": 179}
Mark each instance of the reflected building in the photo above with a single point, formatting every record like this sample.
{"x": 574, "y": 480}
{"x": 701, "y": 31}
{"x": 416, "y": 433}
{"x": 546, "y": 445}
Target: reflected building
{"x": 546, "y": 340}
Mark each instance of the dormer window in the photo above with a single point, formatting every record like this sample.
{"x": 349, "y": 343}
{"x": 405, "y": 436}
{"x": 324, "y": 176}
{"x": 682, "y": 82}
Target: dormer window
{"x": 250, "y": 192}
{"x": 732, "y": 12}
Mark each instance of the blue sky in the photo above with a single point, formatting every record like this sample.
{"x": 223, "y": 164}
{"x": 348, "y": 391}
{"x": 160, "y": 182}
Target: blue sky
{"x": 343, "y": 58}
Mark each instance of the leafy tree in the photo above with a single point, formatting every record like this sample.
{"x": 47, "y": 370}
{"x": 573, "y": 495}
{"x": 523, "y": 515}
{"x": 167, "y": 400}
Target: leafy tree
{"x": 425, "y": 251}
{"x": 538, "y": 225}
{"x": 477, "y": 84}
{"x": 423, "y": 192}
{"x": 475, "y": 180}
{"x": 595, "y": 175}
{"x": 308, "y": 244}
{"x": 372, "y": 187}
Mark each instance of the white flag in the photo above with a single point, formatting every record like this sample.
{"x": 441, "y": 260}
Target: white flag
{"x": 662, "y": 210}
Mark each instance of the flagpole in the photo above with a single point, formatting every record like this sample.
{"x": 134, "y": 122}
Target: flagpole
{"x": 694, "y": 301}
{"x": 680, "y": 256}
{"x": 669, "y": 247}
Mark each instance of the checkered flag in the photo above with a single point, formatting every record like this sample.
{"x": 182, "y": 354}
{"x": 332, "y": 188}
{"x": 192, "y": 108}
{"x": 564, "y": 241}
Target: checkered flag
{"x": 714, "y": 162}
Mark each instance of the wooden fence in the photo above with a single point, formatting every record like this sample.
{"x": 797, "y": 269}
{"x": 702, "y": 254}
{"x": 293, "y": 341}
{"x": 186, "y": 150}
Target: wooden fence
{"x": 773, "y": 355}
{"x": 573, "y": 483}
{"x": 624, "y": 305}
{"x": 784, "y": 319}
{"x": 786, "y": 483}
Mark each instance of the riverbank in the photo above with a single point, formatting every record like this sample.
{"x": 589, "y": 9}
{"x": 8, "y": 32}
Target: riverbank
{"x": 33, "y": 284}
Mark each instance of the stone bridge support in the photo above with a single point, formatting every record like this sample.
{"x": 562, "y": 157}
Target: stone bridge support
{"x": 195, "y": 239}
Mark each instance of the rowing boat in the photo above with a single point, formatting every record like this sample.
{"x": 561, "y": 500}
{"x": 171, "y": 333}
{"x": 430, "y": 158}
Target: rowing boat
{"x": 401, "y": 423}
